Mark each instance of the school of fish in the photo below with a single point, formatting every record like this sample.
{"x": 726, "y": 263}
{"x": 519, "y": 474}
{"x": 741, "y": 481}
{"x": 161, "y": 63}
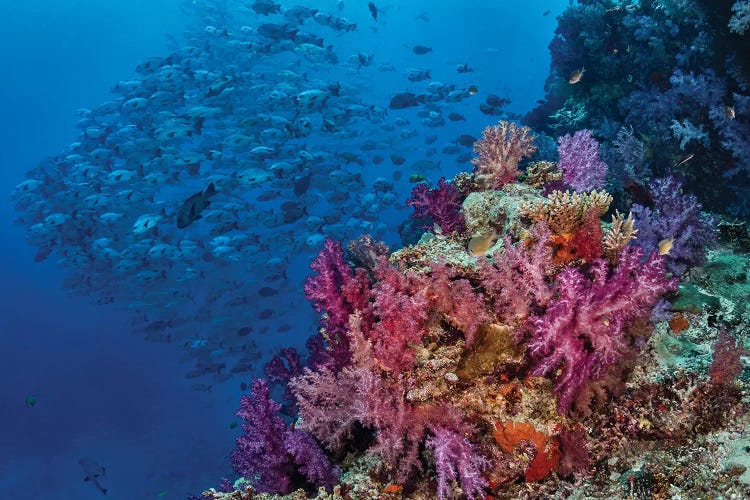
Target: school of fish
{"x": 216, "y": 171}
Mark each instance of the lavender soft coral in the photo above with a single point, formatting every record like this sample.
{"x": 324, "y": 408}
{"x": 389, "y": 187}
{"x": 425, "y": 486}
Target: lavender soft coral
{"x": 675, "y": 217}
{"x": 583, "y": 169}
{"x": 456, "y": 461}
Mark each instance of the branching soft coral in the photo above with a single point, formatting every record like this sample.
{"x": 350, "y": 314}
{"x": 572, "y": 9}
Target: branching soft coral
{"x": 269, "y": 454}
{"x": 401, "y": 314}
{"x": 500, "y": 150}
{"x": 441, "y": 206}
{"x": 583, "y": 329}
{"x": 583, "y": 169}
{"x": 675, "y": 216}
{"x": 517, "y": 281}
{"x": 456, "y": 461}
{"x": 456, "y": 300}
{"x": 338, "y": 291}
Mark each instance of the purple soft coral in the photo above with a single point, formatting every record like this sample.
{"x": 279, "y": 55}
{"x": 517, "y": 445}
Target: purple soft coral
{"x": 677, "y": 217}
{"x": 441, "y": 206}
{"x": 269, "y": 454}
{"x": 338, "y": 291}
{"x": 454, "y": 460}
{"x": 260, "y": 455}
{"x": 583, "y": 329}
{"x": 583, "y": 169}
{"x": 518, "y": 281}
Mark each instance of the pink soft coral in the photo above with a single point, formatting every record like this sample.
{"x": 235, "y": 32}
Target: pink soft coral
{"x": 500, "y": 150}
{"x": 401, "y": 314}
{"x": 583, "y": 329}
{"x": 518, "y": 281}
{"x": 456, "y": 300}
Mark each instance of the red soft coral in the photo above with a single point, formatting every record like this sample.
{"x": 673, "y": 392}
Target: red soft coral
{"x": 401, "y": 314}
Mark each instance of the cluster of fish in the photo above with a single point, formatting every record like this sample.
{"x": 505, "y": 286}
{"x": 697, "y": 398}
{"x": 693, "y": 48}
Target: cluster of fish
{"x": 218, "y": 167}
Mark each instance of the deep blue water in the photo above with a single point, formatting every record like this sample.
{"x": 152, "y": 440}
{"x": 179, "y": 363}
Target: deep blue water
{"x": 101, "y": 392}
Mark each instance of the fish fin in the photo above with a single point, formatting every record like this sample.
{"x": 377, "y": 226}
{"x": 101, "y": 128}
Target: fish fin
{"x": 211, "y": 190}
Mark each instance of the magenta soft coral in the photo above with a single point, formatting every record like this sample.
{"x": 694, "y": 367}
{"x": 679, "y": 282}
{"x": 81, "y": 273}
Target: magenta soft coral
{"x": 583, "y": 329}
{"x": 441, "y": 206}
{"x": 339, "y": 291}
{"x": 456, "y": 300}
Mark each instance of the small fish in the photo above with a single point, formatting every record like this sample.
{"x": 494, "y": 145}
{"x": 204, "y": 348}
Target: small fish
{"x": 244, "y": 331}
{"x": 30, "y": 401}
{"x": 233, "y": 425}
{"x": 421, "y": 50}
{"x": 729, "y": 110}
{"x": 93, "y": 472}
{"x": 414, "y": 178}
{"x": 480, "y": 245}
{"x": 191, "y": 209}
{"x": 576, "y": 76}
{"x": 665, "y": 246}
{"x": 455, "y": 117}
{"x": 161, "y": 494}
{"x": 464, "y": 68}
{"x": 473, "y": 90}
{"x": 546, "y": 13}
{"x": 689, "y": 157}
{"x": 267, "y": 291}
{"x": 373, "y": 10}
{"x": 201, "y": 387}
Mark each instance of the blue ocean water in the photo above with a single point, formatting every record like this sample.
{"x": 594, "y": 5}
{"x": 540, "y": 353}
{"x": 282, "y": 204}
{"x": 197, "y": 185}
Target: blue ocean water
{"x": 101, "y": 392}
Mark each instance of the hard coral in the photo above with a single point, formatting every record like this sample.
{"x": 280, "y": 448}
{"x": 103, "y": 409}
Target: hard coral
{"x": 500, "y": 150}
{"x": 510, "y": 435}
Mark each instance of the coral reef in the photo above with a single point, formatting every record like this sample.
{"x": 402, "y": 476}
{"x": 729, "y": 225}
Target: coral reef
{"x": 439, "y": 373}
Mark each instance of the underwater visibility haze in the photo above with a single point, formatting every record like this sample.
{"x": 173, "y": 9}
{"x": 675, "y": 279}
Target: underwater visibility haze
{"x": 346, "y": 249}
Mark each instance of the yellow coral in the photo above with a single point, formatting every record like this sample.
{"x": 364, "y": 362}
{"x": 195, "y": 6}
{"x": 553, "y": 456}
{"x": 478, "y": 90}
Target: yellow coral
{"x": 564, "y": 212}
{"x": 539, "y": 173}
{"x": 618, "y": 235}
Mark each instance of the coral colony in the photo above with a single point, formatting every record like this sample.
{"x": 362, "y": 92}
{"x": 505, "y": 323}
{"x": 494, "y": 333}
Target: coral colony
{"x": 516, "y": 351}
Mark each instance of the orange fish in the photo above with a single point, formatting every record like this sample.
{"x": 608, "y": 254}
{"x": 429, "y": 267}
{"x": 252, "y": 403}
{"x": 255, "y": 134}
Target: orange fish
{"x": 479, "y": 245}
{"x": 576, "y": 76}
{"x": 665, "y": 246}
